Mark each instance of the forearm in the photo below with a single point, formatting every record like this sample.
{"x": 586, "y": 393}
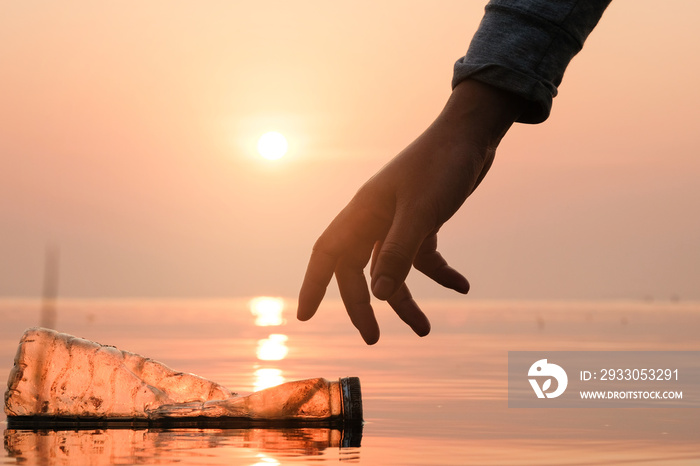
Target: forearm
{"x": 524, "y": 47}
{"x": 481, "y": 113}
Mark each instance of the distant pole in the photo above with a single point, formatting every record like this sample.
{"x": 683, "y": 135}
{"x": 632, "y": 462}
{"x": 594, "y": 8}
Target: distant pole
{"x": 50, "y": 292}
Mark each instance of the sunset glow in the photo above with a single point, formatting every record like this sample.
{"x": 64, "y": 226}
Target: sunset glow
{"x": 272, "y": 145}
{"x": 168, "y": 170}
{"x": 258, "y": 123}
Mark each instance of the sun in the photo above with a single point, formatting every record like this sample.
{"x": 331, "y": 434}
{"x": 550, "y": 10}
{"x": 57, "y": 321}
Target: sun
{"x": 272, "y": 145}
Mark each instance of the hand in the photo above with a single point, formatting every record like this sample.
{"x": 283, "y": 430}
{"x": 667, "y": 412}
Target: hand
{"x": 395, "y": 216}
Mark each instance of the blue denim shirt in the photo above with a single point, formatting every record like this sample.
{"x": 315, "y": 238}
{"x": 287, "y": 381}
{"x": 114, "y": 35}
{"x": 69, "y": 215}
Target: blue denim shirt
{"x": 524, "y": 46}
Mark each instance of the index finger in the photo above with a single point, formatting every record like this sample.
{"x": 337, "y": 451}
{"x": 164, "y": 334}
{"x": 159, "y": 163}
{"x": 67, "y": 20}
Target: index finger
{"x": 318, "y": 274}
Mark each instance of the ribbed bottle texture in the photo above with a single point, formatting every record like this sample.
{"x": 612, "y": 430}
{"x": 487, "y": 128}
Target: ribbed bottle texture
{"x": 58, "y": 376}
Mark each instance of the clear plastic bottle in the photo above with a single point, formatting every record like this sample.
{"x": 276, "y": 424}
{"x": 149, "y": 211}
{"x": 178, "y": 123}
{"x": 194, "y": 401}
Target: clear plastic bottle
{"x": 303, "y": 400}
{"x": 57, "y": 377}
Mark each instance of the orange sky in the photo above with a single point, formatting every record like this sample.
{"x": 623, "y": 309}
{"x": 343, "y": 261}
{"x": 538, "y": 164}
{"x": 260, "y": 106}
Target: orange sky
{"x": 127, "y": 136}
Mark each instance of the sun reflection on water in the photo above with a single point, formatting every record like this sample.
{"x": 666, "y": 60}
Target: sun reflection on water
{"x": 273, "y": 348}
{"x": 267, "y": 377}
{"x": 267, "y": 311}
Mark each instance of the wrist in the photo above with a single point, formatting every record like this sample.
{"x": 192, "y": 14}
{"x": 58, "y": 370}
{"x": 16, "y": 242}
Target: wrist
{"x": 483, "y": 112}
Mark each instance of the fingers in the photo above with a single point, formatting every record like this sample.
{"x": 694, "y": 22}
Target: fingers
{"x": 318, "y": 274}
{"x": 348, "y": 238}
{"x": 356, "y": 298}
{"x": 403, "y": 304}
{"x": 344, "y": 250}
{"x": 406, "y": 308}
{"x": 431, "y": 263}
{"x": 395, "y": 257}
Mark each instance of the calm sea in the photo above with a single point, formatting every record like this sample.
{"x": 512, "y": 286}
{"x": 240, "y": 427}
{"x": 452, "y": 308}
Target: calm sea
{"x": 438, "y": 400}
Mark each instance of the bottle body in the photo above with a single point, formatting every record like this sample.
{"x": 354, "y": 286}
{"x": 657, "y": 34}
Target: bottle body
{"x": 303, "y": 400}
{"x": 58, "y": 376}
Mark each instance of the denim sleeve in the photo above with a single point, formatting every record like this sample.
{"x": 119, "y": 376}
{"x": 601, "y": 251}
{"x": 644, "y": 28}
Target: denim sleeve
{"x": 524, "y": 46}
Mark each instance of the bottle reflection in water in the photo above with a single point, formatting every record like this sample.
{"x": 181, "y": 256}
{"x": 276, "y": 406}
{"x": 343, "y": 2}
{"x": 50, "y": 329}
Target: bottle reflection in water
{"x": 145, "y": 446}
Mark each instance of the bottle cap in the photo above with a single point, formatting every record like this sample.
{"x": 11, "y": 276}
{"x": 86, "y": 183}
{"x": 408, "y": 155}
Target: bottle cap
{"x": 352, "y": 399}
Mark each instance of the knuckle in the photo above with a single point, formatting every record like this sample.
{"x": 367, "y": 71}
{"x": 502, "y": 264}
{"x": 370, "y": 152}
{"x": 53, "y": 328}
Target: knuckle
{"x": 429, "y": 261}
{"x": 321, "y": 245}
{"x": 326, "y": 245}
{"x": 396, "y": 254}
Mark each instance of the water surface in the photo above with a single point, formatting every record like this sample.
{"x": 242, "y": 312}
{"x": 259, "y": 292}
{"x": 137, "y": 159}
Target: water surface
{"x": 438, "y": 400}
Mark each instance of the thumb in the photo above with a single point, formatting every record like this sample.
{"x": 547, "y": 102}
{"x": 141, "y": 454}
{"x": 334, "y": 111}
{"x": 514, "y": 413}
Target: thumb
{"x": 395, "y": 257}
